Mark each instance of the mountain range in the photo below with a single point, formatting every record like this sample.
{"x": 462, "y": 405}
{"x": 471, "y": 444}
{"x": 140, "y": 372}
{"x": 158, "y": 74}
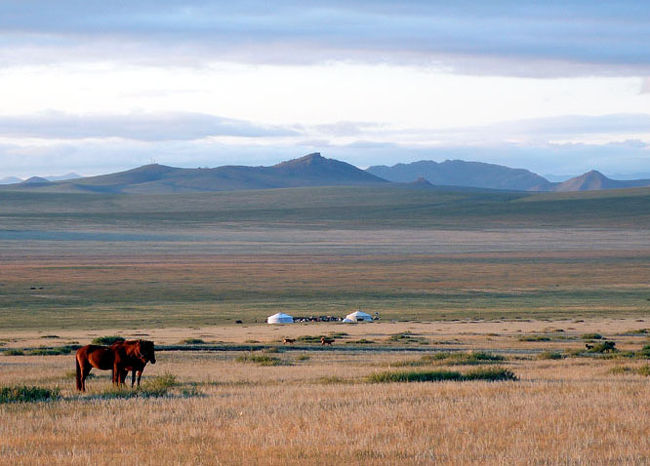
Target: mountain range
{"x": 315, "y": 170}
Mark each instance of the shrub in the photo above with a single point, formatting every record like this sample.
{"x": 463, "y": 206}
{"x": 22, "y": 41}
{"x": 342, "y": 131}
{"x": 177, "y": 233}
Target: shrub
{"x": 271, "y": 350}
{"x": 591, "y": 336}
{"x": 644, "y": 352}
{"x": 153, "y": 388}
{"x": 362, "y": 341}
{"x": 476, "y": 357}
{"x": 551, "y": 355}
{"x": 58, "y": 350}
{"x": 262, "y": 360}
{"x": 620, "y": 370}
{"x": 14, "y": 352}
{"x": 192, "y": 341}
{"x": 107, "y": 340}
{"x": 330, "y": 380}
{"x": 310, "y": 338}
{"x": 490, "y": 374}
{"x": 303, "y": 357}
{"x": 407, "y": 337}
{"x": 25, "y": 394}
{"x": 534, "y": 338}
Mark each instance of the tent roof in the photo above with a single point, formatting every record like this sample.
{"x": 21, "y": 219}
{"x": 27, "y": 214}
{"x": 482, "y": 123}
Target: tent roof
{"x": 281, "y": 315}
{"x": 359, "y": 314}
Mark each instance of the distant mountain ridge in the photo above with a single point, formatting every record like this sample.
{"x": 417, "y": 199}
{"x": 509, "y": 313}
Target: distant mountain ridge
{"x": 461, "y": 173}
{"x": 490, "y": 176}
{"x": 310, "y": 170}
{"x": 316, "y": 170}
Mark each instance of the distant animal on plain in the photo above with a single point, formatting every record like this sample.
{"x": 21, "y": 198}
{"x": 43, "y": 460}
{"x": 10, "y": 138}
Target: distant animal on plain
{"x": 288, "y": 341}
{"x": 326, "y": 341}
{"x": 609, "y": 346}
{"x": 133, "y": 355}
{"x": 588, "y": 346}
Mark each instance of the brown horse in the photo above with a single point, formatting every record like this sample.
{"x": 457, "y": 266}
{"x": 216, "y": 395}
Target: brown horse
{"x": 89, "y": 356}
{"x": 120, "y": 357}
{"x": 132, "y": 355}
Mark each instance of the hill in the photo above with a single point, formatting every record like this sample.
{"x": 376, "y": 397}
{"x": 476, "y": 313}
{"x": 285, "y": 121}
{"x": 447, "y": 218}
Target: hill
{"x": 461, "y": 173}
{"x": 594, "y": 180}
{"x": 310, "y": 170}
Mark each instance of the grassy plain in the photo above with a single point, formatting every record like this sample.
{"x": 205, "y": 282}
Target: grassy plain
{"x": 524, "y": 276}
{"x": 319, "y": 408}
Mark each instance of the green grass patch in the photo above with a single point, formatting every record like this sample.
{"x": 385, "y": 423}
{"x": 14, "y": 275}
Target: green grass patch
{"x": 192, "y": 341}
{"x": 303, "y": 357}
{"x": 27, "y": 394}
{"x": 56, "y": 351}
{"x": 106, "y": 340}
{"x": 644, "y": 352}
{"x": 551, "y": 355}
{"x": 534, "y": 338}
{"x": 489, "y": 374}
{"x": 624, "y": 370}
{"x": 362, "y": 341}
{"x": 262, "y": 360}
{"x": 13, "y": 352}
{"x": 453, "y": 358}
{"x": 407, "y": 338}
{"x": 155, "y": 387}
{"x": 591, "y": 336}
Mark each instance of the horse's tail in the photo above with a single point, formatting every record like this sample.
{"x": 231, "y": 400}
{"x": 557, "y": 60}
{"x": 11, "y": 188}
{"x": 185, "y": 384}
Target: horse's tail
{"x": 76, "y": 360}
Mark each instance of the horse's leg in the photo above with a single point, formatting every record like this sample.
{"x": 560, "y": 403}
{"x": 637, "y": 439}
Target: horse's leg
{"x": 139, "y": 376}
{"x": 84, "y": 374}
{"x": 133, "y": 378}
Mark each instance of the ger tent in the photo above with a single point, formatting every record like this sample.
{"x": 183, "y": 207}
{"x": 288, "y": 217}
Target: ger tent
{"x": 279, "y": 318}
{"x": 359, "y": 316}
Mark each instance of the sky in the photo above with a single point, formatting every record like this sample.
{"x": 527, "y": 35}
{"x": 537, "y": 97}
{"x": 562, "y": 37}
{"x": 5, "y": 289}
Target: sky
{"x": 557, "y": 87}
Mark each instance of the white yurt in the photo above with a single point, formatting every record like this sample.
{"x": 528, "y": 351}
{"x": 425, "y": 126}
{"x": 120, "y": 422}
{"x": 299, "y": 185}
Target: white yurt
{"x": 358, "y": 316}
{"x": 279, "y": 318}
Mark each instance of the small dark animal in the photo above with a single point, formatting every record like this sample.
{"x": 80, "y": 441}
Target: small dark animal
{"x": 326, "y": 341}
{"x": 239, "y": 322}
{"x": 289, "y": 341}
{"x": 588, "y": 346}
{"x": 609, "y": 346}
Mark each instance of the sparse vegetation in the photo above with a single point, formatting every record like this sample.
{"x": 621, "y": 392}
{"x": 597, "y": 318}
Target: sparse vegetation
{"x": 27, "y": 394}
{"x": 591, "y": 336}
{"x": 107, "y": 340}
{"x": 534, "y": 338}
{"x": 262, "y": 360}
{"x": 551, "y": 355}
{"x": 490, "y": 374}
{"x": 192, "y": 341}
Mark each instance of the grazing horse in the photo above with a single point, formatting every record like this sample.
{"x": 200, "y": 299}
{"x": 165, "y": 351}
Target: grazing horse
{"x": 289, "y": 341}
{"x": 132, "y": 355}
{"x": 89, "y": 356}
{"x": 326, "y": 341}
{"x": 120, "y": 357}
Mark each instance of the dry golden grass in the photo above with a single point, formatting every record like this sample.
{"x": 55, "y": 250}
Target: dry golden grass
{"x": 319, "y": 410}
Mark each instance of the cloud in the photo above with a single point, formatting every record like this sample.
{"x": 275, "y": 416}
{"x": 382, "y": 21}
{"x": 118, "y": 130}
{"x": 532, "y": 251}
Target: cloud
{"x": 136, "y": 126}
{"x": 573, "y": 37}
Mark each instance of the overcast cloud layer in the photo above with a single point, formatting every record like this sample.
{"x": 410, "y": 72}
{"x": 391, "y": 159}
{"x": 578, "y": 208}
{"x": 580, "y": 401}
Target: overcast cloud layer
{"x": 577, "y": 36}
{"x": 93, "y": 86}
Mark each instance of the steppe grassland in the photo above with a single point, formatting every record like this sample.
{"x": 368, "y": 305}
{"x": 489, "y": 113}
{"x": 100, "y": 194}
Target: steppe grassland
{"x": 320, "y": 410}
{"x": 146, "y": 267}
